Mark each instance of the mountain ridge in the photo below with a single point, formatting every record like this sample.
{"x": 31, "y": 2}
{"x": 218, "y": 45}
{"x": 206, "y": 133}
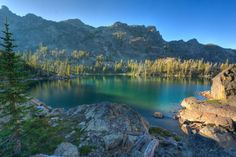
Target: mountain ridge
{"x": 120, "y": 40}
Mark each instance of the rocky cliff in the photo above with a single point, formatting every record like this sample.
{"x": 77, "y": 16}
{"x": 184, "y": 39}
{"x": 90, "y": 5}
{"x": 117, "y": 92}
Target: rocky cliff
{"x": 224, "y": 85}
{"x": 214, "y": 118}
{"x": 118, "y": 40}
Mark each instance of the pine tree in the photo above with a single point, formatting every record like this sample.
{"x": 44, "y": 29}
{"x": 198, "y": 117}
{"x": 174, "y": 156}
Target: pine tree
{"x": 13, "y": 86}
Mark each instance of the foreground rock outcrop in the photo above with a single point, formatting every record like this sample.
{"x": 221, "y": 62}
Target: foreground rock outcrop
{"x": 214, "y": 118}
{"x": 112, "y": 129}
{"x": 109, "y": 129}
{"x": 215, "y": 121}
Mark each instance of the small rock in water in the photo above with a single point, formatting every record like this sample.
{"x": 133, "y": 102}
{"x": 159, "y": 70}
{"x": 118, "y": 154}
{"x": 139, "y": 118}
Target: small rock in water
{"x": 158, "y": 115}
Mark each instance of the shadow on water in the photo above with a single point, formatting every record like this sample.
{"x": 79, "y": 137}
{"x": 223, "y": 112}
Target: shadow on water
{"x": 146, "y": 95}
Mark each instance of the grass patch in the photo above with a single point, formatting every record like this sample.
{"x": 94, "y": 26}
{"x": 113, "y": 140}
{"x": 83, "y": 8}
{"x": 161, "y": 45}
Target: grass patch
{"x": 41, "y": 137}
{"x": 177, "y": 138}
{"x": 213, "y": 101}
{"x": 156, "y": 131}
{"x": 159, "y": 131}
{"x": 85, "y": 150}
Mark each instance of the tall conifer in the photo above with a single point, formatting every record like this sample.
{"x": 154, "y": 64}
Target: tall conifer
{"x": 12, "y": 87}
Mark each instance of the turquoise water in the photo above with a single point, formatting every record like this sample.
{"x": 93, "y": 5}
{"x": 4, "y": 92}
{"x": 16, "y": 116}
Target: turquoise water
{"x": 145, "y": 95}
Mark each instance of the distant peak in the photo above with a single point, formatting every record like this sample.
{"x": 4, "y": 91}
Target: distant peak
{"x": 5, "y": 8}
{"x": 152, "y": 28}
{"x": 32, "y": 16}
{"x": 119, "y": 24}
{"x": 74, "y": 21}
{"x": 193, "y": 41}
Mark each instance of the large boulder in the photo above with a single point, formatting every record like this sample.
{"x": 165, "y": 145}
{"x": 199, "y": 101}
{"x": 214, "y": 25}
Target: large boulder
{"x": 224, "y": 84}
{"x": 111, "y": 129}
{"x": 213, "y": 119}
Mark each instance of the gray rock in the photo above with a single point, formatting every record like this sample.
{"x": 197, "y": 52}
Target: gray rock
{"x": 43, "y": 155}
{"x": 67, "y": 150}
{"x": 108, "y": 127}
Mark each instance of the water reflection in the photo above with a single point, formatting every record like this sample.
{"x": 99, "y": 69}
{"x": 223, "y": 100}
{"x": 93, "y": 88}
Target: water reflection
{"x": 162, "y": 94}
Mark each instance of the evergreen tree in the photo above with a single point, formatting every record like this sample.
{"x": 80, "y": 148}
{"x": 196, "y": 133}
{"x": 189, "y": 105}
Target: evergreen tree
{"x": 13, "y": 86}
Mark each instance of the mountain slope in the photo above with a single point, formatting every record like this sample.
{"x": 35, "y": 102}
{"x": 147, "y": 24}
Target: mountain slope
{"x": 119, "y": 40}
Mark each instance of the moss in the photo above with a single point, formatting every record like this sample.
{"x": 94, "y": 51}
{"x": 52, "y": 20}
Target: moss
{"x": 76, "y": 137}
{"x": 156, "y": 131}
{"x": 177, "y": 138}
{"x": 213, "y": 101}
{"x": 159, "y": 131}
{"x": 85, "y": 150}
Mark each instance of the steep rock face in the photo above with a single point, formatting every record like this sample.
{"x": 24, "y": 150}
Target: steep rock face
{"x": 121, "y": 41}
{"x": 224, "y": 84}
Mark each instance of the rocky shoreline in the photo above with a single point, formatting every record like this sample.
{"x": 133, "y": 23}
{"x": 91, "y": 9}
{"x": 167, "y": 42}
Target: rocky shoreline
{"x": 110, "y": 129}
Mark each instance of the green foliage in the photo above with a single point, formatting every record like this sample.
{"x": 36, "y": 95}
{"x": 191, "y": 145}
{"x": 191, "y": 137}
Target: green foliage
{"x": 37, "y": 137}
{"x": 13, "y": 86}
{"x": 159, "y": 131}
{"x": 213, "y": 101}
{"x": 79, "y": 54}
{"x": 65, "y": 64}
{"x": 156, "y": 131}
{"x": 85, "y": 150}
{"x": 177, "y": 138}
{"x": 42, "y": 138}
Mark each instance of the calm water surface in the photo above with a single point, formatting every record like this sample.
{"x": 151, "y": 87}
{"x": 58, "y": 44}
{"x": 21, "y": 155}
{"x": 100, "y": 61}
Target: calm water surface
{"x": 145, "y": 95}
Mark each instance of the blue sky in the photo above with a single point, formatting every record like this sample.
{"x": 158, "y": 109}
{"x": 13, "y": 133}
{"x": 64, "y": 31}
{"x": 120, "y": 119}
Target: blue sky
{"x": 209, "y": 21}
